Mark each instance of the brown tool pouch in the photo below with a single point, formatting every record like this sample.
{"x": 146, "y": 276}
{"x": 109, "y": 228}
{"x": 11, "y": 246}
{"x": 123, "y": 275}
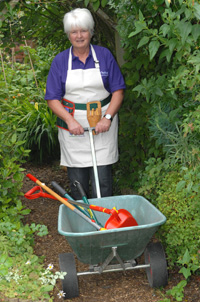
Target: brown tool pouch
{"x": 93, "y": 115}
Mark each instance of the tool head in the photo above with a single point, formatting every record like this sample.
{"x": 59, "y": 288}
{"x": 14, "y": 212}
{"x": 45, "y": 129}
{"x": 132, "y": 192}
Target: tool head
{"x": 120, "y": 219}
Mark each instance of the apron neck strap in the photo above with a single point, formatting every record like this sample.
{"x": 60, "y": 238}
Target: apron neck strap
{"x": 96, "y": 62}
{"x": 93, "y": 54}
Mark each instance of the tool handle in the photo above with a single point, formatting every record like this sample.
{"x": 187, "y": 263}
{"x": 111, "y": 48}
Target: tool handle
{"x": 100, "y": 209}
{"x": 88, "y": 128}
{"x": 84, "y": 197}
{"x": 71, "y": 200}
{"x": 80, "y": 189}
{"x": 58, "y": 188}
{"x": 32, "y": 195}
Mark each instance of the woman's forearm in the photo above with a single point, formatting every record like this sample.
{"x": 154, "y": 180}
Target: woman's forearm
{"x": 115, "y": 103}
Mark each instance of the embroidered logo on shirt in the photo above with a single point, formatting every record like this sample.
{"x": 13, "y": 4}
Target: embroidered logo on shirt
{"x": 104, "y": 73}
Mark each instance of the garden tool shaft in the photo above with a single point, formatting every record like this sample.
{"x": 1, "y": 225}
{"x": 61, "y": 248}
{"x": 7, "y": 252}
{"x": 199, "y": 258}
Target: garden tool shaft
{"x": 96, "y": 176}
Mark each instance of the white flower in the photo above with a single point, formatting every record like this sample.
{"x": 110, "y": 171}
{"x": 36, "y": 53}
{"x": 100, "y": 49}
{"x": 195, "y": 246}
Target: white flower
{"x": 61, "y": 294}
{"x": 50, "y": 266}
{"x": 60, "y": 275}
{"x": 28, "y": 262}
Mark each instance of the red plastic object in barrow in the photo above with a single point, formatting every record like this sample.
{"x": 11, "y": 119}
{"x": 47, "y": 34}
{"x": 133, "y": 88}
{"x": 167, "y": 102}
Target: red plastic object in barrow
{"x": 120, "y": 219}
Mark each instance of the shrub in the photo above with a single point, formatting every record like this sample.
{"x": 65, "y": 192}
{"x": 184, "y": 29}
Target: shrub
{"x": 175, "y": 191}
{"x": 24, "y": 107}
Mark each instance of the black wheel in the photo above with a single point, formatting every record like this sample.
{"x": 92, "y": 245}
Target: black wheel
{"x": 70, "y": 282}
{"x": 157, "y": 272}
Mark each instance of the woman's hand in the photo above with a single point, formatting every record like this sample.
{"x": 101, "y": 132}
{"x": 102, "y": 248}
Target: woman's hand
{"x": 103, "y": 125}
{"x": 74, "y": 127}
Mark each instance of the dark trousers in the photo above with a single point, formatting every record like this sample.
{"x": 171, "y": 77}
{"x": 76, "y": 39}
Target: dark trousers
{"x": 86, "y": 178}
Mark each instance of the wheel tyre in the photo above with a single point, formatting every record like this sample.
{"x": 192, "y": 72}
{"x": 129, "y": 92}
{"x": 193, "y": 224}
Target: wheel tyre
{"x": 157, "y": 272}
{"x": 70, "y": 282}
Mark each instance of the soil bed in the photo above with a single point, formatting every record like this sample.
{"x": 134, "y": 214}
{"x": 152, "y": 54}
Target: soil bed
{"x": 132, "y": 286}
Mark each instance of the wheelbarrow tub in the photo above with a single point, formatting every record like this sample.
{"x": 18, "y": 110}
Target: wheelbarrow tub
{"x": 93, "y": 247}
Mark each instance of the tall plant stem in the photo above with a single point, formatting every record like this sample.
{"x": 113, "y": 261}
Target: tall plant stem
{"x": 31, "y": 62}
{"x": 4, "y": 74}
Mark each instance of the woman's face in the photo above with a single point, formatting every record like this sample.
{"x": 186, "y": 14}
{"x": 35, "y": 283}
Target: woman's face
{"x": 80, "y": 38}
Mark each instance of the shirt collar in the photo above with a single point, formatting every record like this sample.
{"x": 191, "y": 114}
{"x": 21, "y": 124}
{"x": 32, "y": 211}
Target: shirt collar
{"x": 76, "y": 58}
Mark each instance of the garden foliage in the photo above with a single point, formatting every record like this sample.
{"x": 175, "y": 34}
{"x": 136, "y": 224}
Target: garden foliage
{"x": 23, "y": 102}
{"x": 25, "y": 123}
{"x": 22, "y": 274}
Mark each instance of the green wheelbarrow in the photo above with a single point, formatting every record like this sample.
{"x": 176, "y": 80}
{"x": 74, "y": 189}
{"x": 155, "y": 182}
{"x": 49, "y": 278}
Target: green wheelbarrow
{"x": 115, "y": 249}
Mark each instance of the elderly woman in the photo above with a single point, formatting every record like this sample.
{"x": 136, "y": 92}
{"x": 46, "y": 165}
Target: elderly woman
{"x": 78, "y": 75}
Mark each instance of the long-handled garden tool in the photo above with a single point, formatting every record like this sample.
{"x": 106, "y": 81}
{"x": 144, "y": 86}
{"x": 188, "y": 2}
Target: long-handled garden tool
{"x": 37, "y": 192}
{"x": 118, "y": 218}
{"x": 64, "y": 201}
{"x": 84, "y": 197}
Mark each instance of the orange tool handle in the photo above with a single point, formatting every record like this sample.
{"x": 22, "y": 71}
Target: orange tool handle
{"x": 58, "y": 197}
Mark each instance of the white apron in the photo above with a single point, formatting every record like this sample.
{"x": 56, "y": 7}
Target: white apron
{"x": 83, "y": 86}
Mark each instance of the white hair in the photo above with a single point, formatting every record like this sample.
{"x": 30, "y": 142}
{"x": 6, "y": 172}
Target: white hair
{"x": 78, "y": 18}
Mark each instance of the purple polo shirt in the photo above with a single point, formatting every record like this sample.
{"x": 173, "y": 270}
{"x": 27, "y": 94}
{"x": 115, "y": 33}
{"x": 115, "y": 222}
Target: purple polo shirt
{"x": 110, "y": 72}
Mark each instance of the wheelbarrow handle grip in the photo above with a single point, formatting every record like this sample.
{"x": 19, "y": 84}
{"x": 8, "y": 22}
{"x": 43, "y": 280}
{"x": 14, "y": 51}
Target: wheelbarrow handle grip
{"x": 88, "y": 129}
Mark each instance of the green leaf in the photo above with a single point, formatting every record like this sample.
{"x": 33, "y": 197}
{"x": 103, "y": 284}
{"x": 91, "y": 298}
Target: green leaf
{"x": 139, "y": 27}
{"x": 196, "y": 31}
{"x": 180, "y": 185}
{"x": 189, "y": 186}
{"x": 165, "y": 28}
{"x": 153, "y": 48}
{"x": 47, "y": 288}
{"x": 185, "y": 29}
{"x": 141, "y": 17}
{"x": 143, "y": 41}
{"x": 196, "y": 7}
{"x": 96, "y": 5}
{"x": 186, "y": 257}
{"x": 14, "y": 138}
{"x": 104, "y": 2}
{"x": 185, "y": 271}
{"x": 86, "y": 2}
{"x": 158, "y": 91}
{"x": 166, "y": 53}
{"x": 172, "y": 44}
